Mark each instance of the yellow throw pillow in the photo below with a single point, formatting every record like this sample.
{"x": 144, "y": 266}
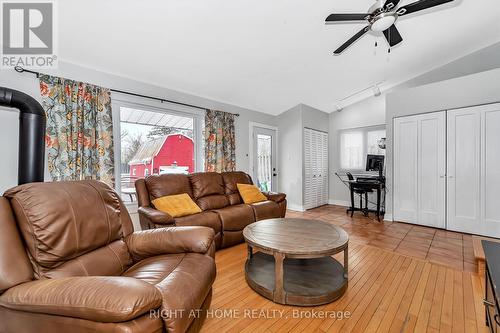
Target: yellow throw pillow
{"x": 250, "y": 193}
{"x": 177, "y": 205}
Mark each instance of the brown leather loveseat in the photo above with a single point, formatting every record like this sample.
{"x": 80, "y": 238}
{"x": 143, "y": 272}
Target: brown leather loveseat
{"x": 216, "y": 194}
{"x": 70, "y": 262}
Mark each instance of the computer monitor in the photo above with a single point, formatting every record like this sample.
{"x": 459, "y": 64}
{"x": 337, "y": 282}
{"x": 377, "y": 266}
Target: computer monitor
{"x": 375, "y": 162}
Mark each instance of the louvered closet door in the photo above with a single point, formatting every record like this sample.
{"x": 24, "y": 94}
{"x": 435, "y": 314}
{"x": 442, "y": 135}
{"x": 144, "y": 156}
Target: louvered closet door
{"x": 315, "y": 168}
{"x": 324, "y": 170}
{"x": 308, "y": 170}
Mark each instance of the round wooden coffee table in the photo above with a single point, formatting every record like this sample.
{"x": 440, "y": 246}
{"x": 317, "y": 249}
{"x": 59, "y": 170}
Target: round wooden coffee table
{"x": 293, "y": 264}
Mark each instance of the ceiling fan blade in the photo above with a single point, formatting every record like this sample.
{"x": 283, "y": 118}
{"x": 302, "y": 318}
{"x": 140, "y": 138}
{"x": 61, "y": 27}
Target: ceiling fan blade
{"x": 352, "y": 40}
{"x": 346, "y": 17}
{"x": 393, "y": 36}
{"x": 391, "y": 4}
{"x": 420, "y": 5}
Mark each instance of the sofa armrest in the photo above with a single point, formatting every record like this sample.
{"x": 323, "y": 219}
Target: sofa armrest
{"x": 155, "y": 216}
{"x": 274, "y": 196}
{"x": 170, "y": 240}
{"x": 96, "y": 298}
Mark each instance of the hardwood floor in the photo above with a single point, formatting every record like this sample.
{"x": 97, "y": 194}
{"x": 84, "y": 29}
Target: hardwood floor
{"x": 397, "y": 283}
{"x": 452, "y": 249}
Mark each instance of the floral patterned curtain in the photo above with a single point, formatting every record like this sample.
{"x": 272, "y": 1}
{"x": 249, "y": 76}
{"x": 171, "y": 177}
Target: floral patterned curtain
{"x": 220, "y": 147}
{"x": 79, "y": 135}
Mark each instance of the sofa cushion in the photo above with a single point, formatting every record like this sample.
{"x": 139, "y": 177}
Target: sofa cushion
{"x": 60, "y": 221}
{"x": 97, "y": 298}
{"x": 236, "y": 218}
{"x": 206, "y": 183}
{"x": 211, "y": 202}
{"x": 266, "y": 210}
{"x": 184, "y": 280}
{"x": 205, "y": 219}
{"x": 162, "y": 185}
{"x": 274, "y": 196}
{"x": 232, "y": 238}
{"x": 230, "y": 180}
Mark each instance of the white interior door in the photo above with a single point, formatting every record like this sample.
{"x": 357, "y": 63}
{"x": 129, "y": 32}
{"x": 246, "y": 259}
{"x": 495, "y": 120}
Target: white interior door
{"x": 464, "y": 177}
{"x": 420, "y": 168}
{"x": 405, "y": 169}
{"x": 474, "y": 170}
{"x": 309, "y": 170}
{"x": 324, "y": 169}
{"x": 431, "y": 169}
{"x": 490, "y": 169}
{"x": 315, "y": 168}
{"x": 264, "y": 158}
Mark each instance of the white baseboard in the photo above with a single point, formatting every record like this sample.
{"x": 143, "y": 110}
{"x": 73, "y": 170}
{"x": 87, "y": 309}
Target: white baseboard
{"x": 388, "y": 217}
{"x": 339, "y": 202}
{"x": 296, "y": 208}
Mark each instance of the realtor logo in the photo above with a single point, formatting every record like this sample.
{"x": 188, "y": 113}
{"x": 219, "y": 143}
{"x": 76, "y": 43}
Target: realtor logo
{"x": 28, "y": 34}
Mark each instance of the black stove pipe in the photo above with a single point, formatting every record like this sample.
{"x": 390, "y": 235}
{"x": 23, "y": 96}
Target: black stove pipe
{"x": 31, "y": 134}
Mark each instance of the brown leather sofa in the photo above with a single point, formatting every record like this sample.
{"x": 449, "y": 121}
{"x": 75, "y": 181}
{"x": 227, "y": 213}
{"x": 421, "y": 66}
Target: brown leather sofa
{"x": 70, "y": 262}
{"x": 217, "y": 196}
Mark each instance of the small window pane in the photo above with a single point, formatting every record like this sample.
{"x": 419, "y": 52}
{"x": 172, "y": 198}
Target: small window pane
{"x": 351, "y": 150}
{"x": 372, "y": 141}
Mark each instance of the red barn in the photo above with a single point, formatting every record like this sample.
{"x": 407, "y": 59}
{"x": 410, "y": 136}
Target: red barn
{"x": 173, "y": 153}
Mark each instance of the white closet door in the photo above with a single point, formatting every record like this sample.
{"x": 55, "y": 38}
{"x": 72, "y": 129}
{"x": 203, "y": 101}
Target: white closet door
{"x": 405, "y": 170}
{"x": 431, "y": 169}
{"x": 490, "y": 169}
{"x": 315, "y": 168}
{"x": 420, "y": 168}
{"x": 324, "y": 169}
{"x": 308, "y": 170}
{"x": 464, "y": 177}
{"x": 474, "y": 170}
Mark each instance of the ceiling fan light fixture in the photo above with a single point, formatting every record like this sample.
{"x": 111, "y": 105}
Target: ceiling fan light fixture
{"x": 383, "y": 23}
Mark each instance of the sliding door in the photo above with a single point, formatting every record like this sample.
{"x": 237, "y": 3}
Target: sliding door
{"x": 419, "y": 169}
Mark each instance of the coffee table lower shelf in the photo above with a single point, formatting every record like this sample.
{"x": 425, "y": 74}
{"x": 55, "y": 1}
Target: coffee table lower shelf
{"x": 306, "y": 282}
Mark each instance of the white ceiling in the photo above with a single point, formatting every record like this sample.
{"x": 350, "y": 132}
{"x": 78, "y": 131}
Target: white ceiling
{"x": 266, "y": 55}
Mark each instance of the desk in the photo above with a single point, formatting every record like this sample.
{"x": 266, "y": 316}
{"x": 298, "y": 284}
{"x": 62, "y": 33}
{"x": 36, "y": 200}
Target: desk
{"x": 375, "y": 184}
{"x": 491, "y": 299}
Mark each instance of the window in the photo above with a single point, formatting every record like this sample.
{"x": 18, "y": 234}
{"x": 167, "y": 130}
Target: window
{"x": 355, "y": 144}
{"x": 154, "y": 141}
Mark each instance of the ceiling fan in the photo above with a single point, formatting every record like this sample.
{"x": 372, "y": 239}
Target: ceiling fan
{"x": 381, "y": 18}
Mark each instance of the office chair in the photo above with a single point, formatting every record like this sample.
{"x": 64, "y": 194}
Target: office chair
{"x": 359, "y": 191}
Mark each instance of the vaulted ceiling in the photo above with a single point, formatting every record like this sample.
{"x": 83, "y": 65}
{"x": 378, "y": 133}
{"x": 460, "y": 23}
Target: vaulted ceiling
{"x": 266, "y": 55}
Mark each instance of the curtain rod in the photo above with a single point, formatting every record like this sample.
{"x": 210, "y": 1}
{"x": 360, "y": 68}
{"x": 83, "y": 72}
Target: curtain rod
{"x": 19, "y": 69}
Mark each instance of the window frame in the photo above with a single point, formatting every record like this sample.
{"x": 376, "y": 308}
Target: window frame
{"x": 364, "y": 130}
{"x": 160, "y": 107}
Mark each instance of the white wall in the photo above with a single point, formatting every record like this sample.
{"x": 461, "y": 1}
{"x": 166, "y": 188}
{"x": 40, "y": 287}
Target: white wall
{"x": 291, "y": 126}
{"x": 290, "y": 156}
{"x": 475, "y": 89}
{"x": 368, "y": 112}
{"x": 29, "y": 84}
